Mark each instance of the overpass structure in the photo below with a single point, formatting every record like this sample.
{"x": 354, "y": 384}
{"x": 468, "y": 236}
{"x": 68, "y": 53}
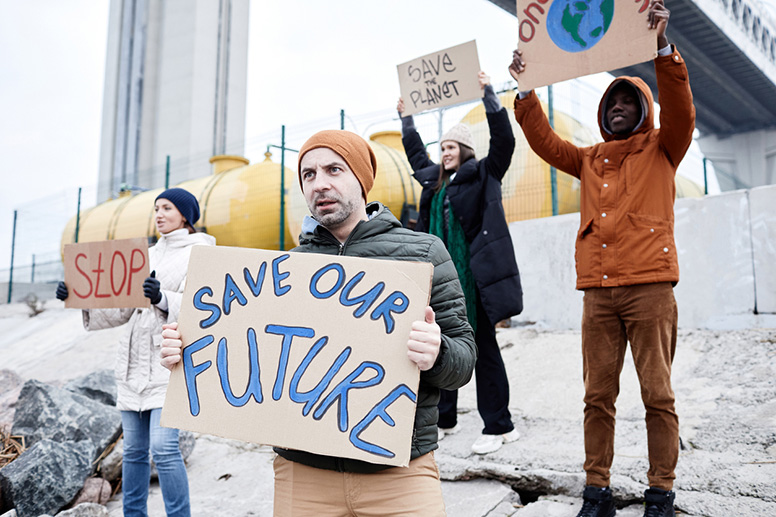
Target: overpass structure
{"x": 730, "y": 50}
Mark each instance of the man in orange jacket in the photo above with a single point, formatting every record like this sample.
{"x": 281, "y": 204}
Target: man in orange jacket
{"x": 626, "y": 258}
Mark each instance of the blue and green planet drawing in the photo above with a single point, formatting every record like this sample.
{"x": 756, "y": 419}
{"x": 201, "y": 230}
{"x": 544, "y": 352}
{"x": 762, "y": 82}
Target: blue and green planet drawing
{"x": 577, "y": 25}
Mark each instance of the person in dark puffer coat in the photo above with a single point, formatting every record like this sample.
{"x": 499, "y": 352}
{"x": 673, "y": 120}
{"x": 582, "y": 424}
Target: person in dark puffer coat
{"x": 461, "y": 204}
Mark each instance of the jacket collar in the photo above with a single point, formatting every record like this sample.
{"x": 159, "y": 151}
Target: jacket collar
{"x": 380, "y": 221}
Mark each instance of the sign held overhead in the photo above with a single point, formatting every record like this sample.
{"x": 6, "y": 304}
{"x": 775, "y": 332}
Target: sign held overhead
{"x": 565, "y": 39}
{"x": 442, "y": 78}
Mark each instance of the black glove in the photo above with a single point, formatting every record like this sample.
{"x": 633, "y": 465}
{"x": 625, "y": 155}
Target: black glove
{"x": 152, "y": 288}
{"x": 61, "y": 291}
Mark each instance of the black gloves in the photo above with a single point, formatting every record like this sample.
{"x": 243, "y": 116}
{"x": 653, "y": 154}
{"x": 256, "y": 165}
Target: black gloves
{"x": 61, "y": 291}
{"x": 152, "y": 288}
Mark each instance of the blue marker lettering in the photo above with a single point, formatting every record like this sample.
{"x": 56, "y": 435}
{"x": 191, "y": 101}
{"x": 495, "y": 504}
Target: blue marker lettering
{"x": 341, "y": 392}
{"x": 254, "y": 372}
{"x": 232, "y": 293}
{"x": 317, "y": 276}
{"x": 255, "y": 286}
{"x": 310, "y": 398}
{"x": 366, "y": 300}
{"x": 215, "y": 312}
{"x": 288, "y": 334}
{"x": 277, "y": 276}
{"x": 396, "y": 302}
{"x": 379, "y": 411}
{"x": 190, "y": 371}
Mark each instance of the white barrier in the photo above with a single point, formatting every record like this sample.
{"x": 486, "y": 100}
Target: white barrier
{"x": 727, "y": 261}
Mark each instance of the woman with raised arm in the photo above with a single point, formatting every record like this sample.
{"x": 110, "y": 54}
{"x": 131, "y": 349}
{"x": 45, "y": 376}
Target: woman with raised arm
{"x": 461, "y": 204}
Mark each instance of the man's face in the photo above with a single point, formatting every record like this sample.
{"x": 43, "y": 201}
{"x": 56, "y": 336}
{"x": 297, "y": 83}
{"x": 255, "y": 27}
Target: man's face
{"x": 332, "y": 191}
{"x": 623, "y": 110}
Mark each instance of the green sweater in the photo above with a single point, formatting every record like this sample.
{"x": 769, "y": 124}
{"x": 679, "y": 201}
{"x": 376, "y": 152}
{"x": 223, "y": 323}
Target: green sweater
{"x": 382, "y": 237}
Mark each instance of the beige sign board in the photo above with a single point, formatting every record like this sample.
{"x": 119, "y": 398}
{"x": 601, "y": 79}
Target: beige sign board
{"x": 564, "y": 39}
{"x": 106, "y": 274}
{"x": 442, "y": 78}
{"x": 299, "y": 350}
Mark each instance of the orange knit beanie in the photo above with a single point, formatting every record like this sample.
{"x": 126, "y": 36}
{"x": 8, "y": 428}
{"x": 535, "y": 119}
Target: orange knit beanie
{"x": 354, "y": 150}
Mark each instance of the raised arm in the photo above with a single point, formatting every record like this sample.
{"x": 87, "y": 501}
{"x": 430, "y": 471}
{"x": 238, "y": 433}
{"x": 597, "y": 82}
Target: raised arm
{"x": 677, "y": 112}
{"x": 502, "y": 140}
{"x": 413, "y": 144}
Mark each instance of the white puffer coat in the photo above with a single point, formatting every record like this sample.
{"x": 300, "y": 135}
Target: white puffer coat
{"x": 140, "y": 378}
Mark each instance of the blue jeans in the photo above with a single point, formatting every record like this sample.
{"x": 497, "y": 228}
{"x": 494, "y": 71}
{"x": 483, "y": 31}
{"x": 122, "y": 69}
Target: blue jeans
{"x": 141, "y": 433}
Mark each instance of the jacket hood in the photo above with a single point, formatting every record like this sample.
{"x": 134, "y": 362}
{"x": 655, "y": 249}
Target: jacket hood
{"x": 647, "y": 121}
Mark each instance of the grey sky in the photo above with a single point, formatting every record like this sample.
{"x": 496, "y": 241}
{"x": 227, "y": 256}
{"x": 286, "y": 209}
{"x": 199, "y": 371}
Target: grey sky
{"x": 306, "y": 61}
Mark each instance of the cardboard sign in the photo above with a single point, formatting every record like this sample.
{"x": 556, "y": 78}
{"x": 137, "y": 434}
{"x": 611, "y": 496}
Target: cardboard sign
{"x": 564, "y": 39}
{"x": 298, "y": 350}
{"x": 106, "y": 274}
{"x": 440, "y": 79}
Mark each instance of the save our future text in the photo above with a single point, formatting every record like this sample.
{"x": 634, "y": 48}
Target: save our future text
{"x": 329, "y": 282}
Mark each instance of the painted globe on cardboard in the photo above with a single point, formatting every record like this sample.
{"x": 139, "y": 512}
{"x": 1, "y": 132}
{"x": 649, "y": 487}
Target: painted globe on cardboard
{"x": 577, "y": 25}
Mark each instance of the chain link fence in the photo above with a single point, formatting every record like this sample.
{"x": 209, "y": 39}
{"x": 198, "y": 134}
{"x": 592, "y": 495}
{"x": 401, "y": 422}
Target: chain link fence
{"x": 529, "y": 190}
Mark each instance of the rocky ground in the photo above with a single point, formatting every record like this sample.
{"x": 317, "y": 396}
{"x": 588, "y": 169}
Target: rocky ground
{"x": 725, "y": 383}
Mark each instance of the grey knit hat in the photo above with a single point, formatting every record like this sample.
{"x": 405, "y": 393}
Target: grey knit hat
{"x": 460, "y": 133}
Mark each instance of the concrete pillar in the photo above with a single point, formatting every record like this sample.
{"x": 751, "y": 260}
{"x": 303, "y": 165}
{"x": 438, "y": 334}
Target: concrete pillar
{"x": 743, "y": 160}
{"x": 175, "y": 84}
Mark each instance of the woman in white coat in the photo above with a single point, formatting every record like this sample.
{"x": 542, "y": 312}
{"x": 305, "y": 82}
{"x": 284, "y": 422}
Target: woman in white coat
{"x": 140, "y": 378}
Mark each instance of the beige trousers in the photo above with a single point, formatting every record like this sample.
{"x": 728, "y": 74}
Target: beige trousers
{"x": 302, "y": 491}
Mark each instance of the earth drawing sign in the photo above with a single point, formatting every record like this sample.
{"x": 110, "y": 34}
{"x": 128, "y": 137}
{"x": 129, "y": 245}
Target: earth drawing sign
{"x": 299, "y": 350}
{"x": 564, "y": 39}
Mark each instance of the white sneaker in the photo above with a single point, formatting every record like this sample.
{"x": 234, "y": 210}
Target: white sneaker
{"x": 441, "y": 432}
{"x": 487, "y": 443}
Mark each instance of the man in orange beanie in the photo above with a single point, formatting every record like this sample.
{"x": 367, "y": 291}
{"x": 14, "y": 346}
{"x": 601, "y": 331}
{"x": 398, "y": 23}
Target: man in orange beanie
{"x": 626, "y": 259}
{"x": 336, "y": 171}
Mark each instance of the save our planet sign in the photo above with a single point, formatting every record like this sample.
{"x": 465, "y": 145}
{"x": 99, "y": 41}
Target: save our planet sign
{"x": 299, "y": 350}
{"x": 564, "y": 39}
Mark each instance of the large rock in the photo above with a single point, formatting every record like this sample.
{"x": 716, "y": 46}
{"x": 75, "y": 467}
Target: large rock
{"x": 46, "y": 477}
{"x": 110, "y": 466}
{"x": 86, "y": 510}
{"x": 99, "y": 386}
{"x": 47, "y": 412}
{"x": 10, "y": 387}
{"x": 95, "y": 490}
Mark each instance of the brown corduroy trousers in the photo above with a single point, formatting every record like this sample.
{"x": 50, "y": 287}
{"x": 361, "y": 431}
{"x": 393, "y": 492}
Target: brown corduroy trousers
{"x": 646, "y": 316}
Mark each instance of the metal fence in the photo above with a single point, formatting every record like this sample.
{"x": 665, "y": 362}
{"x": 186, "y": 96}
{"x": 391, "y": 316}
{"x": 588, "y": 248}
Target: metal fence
{"x": 39, "y": 225}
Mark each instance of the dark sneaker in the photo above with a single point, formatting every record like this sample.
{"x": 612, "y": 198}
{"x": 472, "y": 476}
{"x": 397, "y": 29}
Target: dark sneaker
{"x": 659, "y": 503}
{"x": 598, "y": 502}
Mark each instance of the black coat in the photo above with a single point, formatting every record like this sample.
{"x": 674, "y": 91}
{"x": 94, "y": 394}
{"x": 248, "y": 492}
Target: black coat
{"x": 475, "y": 195}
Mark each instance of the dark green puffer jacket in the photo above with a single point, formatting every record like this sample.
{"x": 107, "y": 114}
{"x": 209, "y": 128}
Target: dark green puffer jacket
{"x": 382, "y": 237}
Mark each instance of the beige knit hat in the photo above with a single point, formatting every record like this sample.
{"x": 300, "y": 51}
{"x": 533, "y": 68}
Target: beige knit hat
{"x": 460, "y": 133}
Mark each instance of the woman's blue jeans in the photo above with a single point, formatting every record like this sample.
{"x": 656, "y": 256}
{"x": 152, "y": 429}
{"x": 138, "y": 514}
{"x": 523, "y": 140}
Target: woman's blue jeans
{"x": 141, "y": 434}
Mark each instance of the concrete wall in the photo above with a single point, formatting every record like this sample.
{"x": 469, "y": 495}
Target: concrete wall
{"x": 727, "y": 260}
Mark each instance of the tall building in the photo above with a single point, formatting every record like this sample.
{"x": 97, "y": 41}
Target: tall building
{"x": 175, "y": 85}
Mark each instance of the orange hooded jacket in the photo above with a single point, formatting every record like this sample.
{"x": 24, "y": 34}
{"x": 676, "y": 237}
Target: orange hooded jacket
{"x": 626, "y": 235}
